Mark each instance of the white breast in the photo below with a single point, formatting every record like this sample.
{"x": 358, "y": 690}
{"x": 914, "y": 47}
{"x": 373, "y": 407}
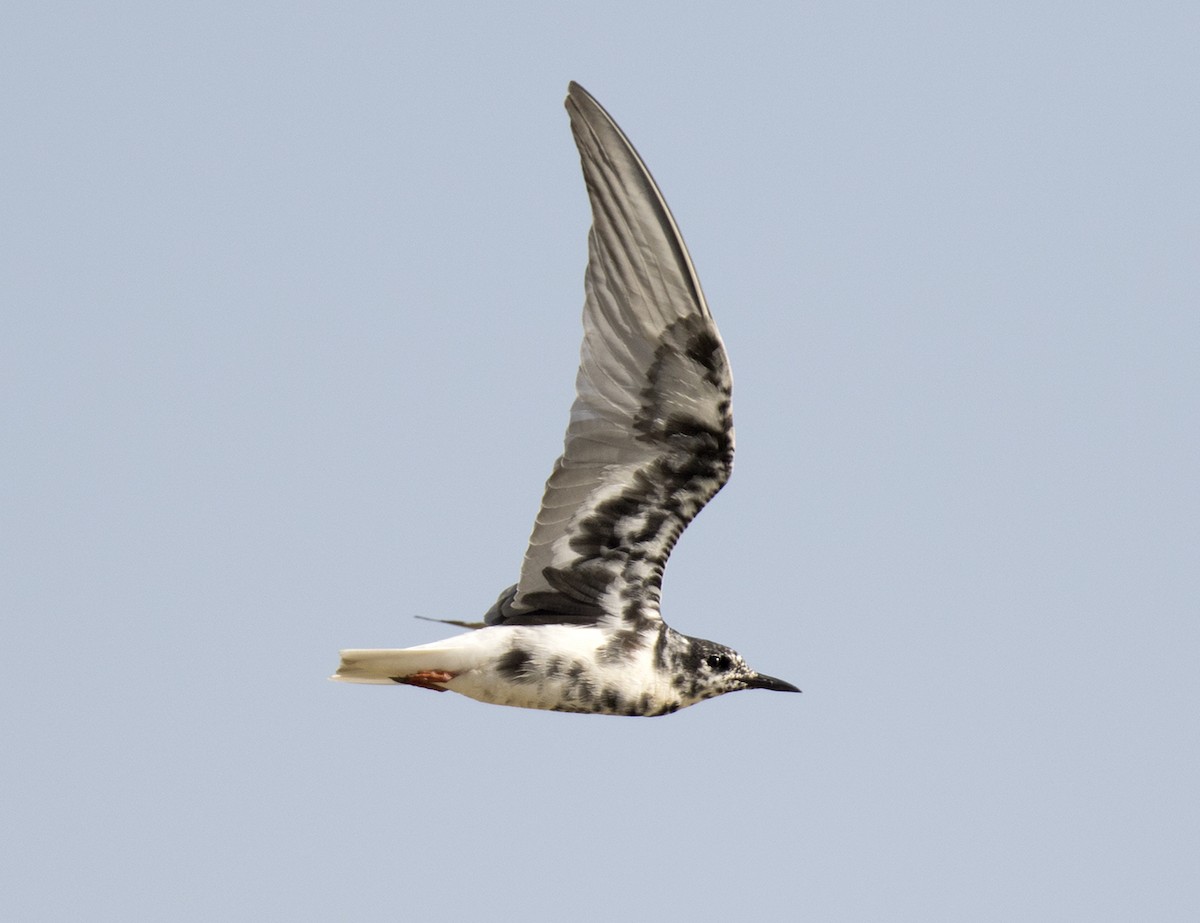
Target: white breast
{"x": 559, "y": 667}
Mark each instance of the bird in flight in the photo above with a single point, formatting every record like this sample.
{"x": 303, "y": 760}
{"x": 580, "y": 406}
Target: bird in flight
{"x": 650, "y": 441}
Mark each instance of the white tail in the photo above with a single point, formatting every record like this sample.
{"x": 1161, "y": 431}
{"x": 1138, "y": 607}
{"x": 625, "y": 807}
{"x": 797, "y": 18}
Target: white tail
{"x": 453, "y": 655}
{"x": 378, "y": 666}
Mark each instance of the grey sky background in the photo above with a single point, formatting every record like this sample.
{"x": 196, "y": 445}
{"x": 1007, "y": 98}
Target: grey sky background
{"x": 291, "y": 301}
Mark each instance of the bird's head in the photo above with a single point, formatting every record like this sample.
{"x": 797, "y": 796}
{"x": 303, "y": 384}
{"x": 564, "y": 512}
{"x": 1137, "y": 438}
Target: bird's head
{"x": 713, "y": 669}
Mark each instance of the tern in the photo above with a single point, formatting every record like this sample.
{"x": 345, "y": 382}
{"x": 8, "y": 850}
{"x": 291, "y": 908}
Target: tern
{"x": 649, "y": 442}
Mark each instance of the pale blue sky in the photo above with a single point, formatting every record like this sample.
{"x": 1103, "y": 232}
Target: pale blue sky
{"x": 291, "y": 301}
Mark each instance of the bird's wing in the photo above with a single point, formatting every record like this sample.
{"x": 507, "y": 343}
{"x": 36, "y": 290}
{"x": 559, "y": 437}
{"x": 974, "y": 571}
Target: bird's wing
{"x": 650, "y": 439}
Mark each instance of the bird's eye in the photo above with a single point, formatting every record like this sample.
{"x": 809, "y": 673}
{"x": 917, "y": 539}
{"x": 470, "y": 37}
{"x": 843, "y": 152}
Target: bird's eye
{"x": 718, "y": 662}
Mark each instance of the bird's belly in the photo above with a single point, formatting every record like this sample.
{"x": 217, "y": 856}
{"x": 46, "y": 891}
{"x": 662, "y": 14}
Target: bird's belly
{"x": 551, "y": 695}
{"x": 558, "y": 681}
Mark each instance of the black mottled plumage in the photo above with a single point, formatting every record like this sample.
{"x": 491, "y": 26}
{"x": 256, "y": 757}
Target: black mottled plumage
{"x": 650, "y": 441}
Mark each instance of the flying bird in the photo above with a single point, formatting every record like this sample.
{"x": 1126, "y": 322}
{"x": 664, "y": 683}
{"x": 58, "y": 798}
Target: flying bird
{"x": 650, "y": 441}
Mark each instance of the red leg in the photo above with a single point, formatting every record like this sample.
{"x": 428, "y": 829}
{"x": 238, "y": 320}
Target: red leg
{"x": 426, "y": 679}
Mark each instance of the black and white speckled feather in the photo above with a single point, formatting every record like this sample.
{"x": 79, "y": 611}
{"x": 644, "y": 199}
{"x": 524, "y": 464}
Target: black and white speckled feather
{"x": 650, "y": 438}
{"x": 648, "y": 444}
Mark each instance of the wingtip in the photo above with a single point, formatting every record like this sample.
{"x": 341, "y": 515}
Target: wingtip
{"x": 578, "y": 96}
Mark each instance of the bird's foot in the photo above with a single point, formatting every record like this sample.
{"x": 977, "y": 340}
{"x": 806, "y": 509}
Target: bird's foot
{"x": 426, "y": 679}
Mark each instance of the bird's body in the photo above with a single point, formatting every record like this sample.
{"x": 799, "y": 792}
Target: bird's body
{"x": 560, "y": 667}
{"x": 565, "y": 667}
{"x": 650, "y": 441}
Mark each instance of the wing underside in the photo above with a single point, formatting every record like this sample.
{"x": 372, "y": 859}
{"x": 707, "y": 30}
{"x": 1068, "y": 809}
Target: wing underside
{"x": 650, "y": 438}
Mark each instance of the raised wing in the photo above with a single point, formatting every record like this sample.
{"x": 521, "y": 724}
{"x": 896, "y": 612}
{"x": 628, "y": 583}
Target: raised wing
{"x": 650, "y": 438}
